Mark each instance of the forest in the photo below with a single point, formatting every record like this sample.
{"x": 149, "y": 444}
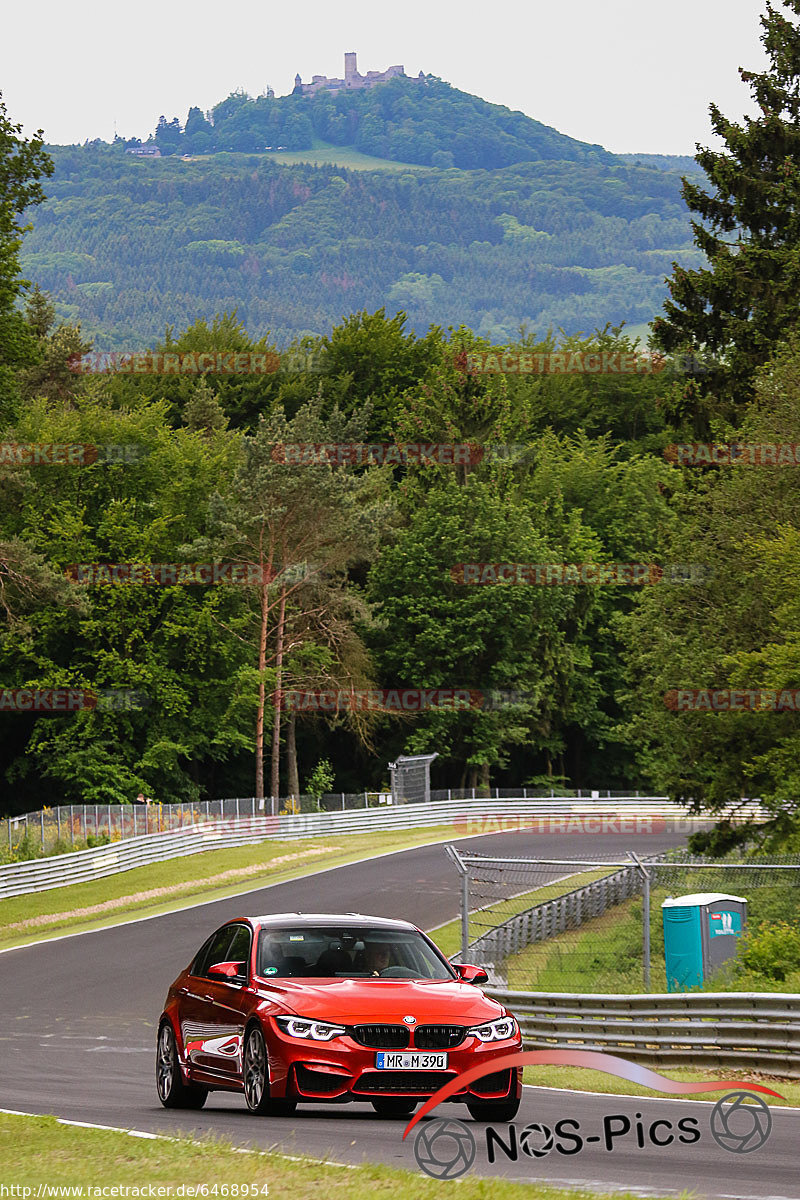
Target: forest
{"x": 522, "y": 228}
{"x": 352, "y": 566}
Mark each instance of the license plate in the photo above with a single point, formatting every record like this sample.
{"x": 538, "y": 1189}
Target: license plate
{"x": 410, "y": 1060}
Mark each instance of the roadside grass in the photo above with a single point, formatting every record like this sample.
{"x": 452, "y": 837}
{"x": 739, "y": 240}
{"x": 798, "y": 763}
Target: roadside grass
{"x": 37, "y": 1151}
{"x": 209, "y": 875}
{"x": 604, "y": 955}
{"x": 448, "y": 937}
{"x": 576, "y": 1079}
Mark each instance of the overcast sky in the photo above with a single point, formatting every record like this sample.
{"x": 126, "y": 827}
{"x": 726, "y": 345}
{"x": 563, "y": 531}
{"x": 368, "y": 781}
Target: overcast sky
{"x": 633, "y": 75}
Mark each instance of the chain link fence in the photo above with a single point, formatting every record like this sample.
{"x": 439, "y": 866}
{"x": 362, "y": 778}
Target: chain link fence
{"x": 595, "y": 925}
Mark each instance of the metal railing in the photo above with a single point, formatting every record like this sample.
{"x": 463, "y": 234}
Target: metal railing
{"x": 749, "y": 1031}
{"x": 123, "y": 854}
{"x": 63, "y": 827}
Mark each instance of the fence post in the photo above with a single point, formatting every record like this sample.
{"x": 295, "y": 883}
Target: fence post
{"x": 58, "y": 820}
{"x": 9, "y": 836}
{"x": 109, "y": 822}
{"x": 237, "y": 808}
{"x": 42, "y": 831}
{"x": 465, "y": 914}
{"x": 71, "y": 826}
{"x": 96, "y": 828}
{"x": 645, "y": 921}
{"x": 342, "y": 801}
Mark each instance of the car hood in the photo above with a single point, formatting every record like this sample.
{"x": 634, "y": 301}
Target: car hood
{"x": 352, "y": 1001}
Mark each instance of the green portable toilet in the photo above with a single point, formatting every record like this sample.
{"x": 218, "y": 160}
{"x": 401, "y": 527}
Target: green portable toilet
{"x": 700, "y": 933}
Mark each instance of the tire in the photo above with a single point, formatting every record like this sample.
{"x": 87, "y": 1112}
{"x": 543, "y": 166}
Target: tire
{"x": 493, "y": 1110}
{"x": 255, "y": 1077}
{"x": 172, "y": 1091}
{"x": 394, "y": 1106}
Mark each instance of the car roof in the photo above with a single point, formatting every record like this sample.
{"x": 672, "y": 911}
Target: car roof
{"x": 309, "y": 919}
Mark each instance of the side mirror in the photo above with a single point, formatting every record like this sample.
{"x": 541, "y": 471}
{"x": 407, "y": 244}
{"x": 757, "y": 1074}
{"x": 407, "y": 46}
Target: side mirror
{"x": 230, "y": 971}
{"x": 470, "y": 974}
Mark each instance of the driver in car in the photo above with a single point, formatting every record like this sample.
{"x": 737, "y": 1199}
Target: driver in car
{"x": 376, "y": 957}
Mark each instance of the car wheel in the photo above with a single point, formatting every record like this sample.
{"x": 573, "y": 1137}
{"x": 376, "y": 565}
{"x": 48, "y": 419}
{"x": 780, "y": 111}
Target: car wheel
{"x": 172, "y": 1091}
{"x": 394, "y": 1106}
{"x": 493, "y": 1110}
{"x": 256, "y": 1078}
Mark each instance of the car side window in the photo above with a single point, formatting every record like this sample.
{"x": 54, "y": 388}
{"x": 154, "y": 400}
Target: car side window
{"x": 215, "y": 951}
{"x": 239, "y": 949}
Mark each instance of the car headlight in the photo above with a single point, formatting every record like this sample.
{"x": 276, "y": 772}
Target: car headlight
{"x": 495, "y": 1031}
{"x": 317, "y": 1031}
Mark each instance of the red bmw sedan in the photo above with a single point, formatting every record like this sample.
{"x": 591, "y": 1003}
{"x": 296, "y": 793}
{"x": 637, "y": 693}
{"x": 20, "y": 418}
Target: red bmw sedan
{"x": 332, "y": 1008}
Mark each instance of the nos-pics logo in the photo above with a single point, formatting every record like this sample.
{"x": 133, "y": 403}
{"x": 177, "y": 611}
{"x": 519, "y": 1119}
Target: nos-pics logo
{"x": 444, "y": 1148}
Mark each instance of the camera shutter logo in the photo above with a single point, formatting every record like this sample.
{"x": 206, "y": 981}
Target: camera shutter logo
{"x": 739, "y": 1126}
{"x": 536, "y": 1140}
{"x": 444, "y": 1148}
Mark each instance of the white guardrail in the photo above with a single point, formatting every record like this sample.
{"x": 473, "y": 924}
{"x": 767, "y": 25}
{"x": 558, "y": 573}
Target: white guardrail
{"x": 639, "y": 814}
{"x": 748, "y": 1031}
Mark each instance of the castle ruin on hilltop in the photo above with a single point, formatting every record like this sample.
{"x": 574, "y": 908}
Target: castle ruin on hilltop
{"x": 352, "y": 80}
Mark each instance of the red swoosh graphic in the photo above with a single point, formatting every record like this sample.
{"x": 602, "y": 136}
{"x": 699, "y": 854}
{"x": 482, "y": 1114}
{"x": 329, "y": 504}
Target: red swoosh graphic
{"x": 594, "y": 1060}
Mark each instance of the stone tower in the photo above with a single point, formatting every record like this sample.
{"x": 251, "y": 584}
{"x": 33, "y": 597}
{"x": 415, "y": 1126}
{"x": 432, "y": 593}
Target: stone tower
{"x": 350, "y": 68}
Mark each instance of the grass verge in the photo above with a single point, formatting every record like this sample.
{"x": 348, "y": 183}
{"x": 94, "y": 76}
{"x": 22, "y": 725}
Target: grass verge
{"x": 37, "y": 1151}
{"x": 576, "y": 1079}
{"x": 209, "y": 875}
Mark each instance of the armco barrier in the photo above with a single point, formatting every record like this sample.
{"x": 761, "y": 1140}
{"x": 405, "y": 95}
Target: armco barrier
{"x": 745, "y": 1031}
{"x": 649, "y": 814}
{"x": 59, "y": 827}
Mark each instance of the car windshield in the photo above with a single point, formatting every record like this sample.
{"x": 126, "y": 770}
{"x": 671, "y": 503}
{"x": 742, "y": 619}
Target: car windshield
{"x": 347, "y": 952}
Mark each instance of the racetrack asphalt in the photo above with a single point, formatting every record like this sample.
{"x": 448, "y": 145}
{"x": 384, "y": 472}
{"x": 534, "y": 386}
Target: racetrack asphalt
{"x": 80, "y": 1018}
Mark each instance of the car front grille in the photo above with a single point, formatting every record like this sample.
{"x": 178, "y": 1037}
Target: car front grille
{"x": 438, "y": 1037}
{"x": 381, "y": 1037}
{"x": 415, "y": 1082}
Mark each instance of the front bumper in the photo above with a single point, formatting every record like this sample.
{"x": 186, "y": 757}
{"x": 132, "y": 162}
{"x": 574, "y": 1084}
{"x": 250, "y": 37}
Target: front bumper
{"x": 342, "y": 1069}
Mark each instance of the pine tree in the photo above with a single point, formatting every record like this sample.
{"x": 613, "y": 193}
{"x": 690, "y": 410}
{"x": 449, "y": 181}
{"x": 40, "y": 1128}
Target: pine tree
{"x": 748, "y": 298}
{"x": 40, "y": 312}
